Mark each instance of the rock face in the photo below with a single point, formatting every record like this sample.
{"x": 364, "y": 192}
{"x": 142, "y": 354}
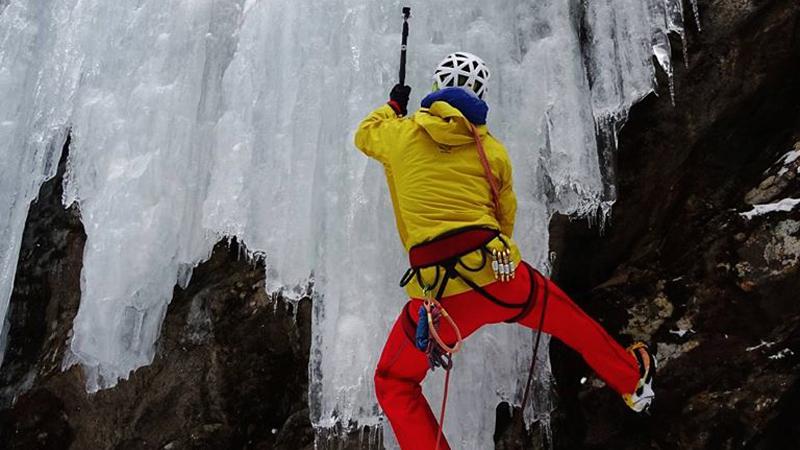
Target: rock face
{"x": 681, "y": 268}
{"x": 678, "y": 266}
{"x": 230, "y": 371}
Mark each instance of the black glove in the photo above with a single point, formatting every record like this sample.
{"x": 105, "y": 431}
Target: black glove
{"x": 398, "y": 99}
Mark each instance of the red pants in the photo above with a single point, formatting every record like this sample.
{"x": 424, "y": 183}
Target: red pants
{"x": 402, "y": 367}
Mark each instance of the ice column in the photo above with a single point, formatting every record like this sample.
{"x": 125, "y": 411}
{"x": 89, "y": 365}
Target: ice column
{"x": 38, "y": 78}
{"x": 143, "y": 133}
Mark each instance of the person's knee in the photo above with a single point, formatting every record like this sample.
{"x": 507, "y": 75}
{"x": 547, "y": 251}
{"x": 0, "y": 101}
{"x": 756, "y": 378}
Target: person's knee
{"x": 396, "y": 396}
{"x": 381, "y": 386}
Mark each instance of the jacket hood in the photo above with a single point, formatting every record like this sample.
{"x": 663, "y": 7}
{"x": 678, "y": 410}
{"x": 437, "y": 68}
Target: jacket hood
{"x": 448, "y": 114}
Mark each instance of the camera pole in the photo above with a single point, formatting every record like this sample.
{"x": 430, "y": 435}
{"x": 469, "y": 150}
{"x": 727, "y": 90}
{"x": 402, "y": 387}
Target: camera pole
{"x": 406, "y": 15}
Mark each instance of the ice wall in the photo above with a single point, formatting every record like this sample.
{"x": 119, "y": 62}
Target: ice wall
{"x": 38, "y": 78}
{"x": 197, "y": 119}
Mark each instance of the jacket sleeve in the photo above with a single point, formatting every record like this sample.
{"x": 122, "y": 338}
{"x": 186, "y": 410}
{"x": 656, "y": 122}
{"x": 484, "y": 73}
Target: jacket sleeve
{"x": 508, "y": 200}
{"x": 375, "y": 133}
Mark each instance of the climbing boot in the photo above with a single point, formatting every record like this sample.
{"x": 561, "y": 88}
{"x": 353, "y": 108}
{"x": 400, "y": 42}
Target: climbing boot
{"x": 643, "y": 395}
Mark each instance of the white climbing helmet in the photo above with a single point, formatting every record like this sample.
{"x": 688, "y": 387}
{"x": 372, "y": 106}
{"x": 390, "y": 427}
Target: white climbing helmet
{"x": 462, "y": 69}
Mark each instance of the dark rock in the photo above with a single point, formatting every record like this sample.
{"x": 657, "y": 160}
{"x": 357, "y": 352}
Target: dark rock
{"x": 230, "y": 369}
{"x": 46, "y": 290}
{"x": 678, "y": 266}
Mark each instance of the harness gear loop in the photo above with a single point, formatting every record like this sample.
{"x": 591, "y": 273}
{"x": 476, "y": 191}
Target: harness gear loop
{"x": 503, "y": 264}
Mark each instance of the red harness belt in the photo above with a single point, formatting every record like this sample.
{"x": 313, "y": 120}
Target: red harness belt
{"x": 449, "y": 246}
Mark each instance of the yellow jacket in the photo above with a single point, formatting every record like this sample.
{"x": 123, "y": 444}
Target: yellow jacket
{"x": 437, "y": 182}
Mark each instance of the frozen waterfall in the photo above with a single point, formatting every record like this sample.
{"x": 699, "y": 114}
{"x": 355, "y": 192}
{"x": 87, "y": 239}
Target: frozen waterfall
{"x": 198, "y": 119}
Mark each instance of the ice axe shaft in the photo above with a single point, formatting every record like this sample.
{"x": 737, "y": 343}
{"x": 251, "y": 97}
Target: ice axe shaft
{"x": 406, "y": 15}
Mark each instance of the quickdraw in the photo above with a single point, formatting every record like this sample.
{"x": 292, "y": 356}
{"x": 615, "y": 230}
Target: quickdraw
{"x": 503, "y": 265}
{"x": 427, "y": 338}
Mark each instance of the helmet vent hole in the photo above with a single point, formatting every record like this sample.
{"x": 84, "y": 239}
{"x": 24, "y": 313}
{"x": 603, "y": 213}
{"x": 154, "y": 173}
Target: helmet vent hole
{"x": 462, "y": 80}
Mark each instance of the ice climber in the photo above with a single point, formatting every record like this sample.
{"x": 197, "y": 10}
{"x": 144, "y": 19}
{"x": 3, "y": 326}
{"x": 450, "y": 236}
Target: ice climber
{"x": 451, "y": 189}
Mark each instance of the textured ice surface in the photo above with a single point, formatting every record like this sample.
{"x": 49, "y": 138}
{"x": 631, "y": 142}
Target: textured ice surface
{"x": 38, "y": 79}
{"x": 192, "y": 120}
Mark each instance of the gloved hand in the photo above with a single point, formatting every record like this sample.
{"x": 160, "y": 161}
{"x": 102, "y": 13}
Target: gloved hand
{"x": 398, "y": 99}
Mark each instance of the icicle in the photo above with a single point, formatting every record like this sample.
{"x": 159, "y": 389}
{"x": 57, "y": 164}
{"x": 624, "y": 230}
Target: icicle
{"x": 696, "y": 13}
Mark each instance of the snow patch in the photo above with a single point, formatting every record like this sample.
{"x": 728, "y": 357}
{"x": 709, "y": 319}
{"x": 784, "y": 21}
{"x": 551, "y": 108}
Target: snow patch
{"x": 763, "y": 344}
{"x": 788, "y": 159}
{"x": 786, "y": 352}
{"x": 681, "y": 332}
{"x": 785, "y": 205}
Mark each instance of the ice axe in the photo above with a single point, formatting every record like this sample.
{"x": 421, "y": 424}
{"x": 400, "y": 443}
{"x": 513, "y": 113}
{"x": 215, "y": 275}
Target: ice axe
{"x": 406, "y": 15}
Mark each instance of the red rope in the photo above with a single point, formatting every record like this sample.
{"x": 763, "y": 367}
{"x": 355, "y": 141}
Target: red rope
{"x": 487, "y": 170}
{"x": 429, "y": 304}
{"x": 496, "y": 200}
{"x": 444, "y": 405}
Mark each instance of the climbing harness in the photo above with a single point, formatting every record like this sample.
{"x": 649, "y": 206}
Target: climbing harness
{"x": 444, "y": 255}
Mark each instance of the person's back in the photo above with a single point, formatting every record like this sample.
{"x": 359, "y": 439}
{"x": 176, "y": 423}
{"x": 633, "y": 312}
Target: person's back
{"x": 437, "y": 182}
{"x": 451, "y": 188}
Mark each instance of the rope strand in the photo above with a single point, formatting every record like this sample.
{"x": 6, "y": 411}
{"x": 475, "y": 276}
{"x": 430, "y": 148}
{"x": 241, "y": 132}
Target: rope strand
{"x": 444, "y": 406}
{"x": 432, "y": 309}
{"x": 535, "y": 345}
{"x": 493, "y": 186}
